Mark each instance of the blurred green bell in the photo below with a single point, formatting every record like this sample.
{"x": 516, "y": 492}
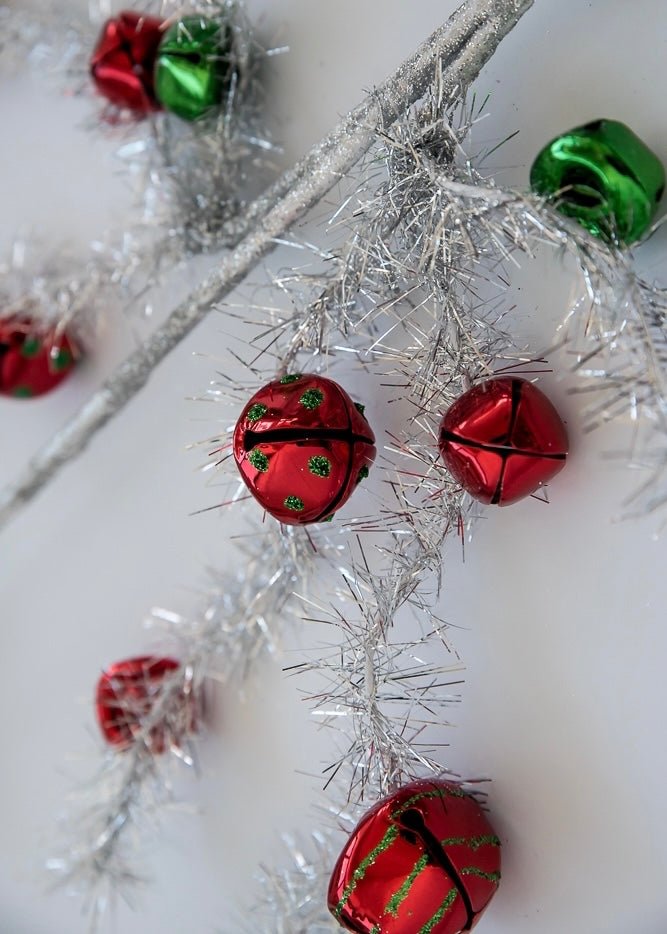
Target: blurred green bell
{"x": 193, "y": 69}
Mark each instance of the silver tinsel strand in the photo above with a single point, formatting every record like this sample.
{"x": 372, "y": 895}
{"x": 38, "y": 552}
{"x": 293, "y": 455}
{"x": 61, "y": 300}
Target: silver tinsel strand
{"x": 241, "y": 621}
{"x": 462, "y": 45}
{"x": 401, "y": 295}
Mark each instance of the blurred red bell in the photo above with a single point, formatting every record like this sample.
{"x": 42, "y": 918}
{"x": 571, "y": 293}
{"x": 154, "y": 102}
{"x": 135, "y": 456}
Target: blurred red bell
{"x": 123, "y": 60}
{"x": 33, "y": 360}
{"x": 125, "y": 696}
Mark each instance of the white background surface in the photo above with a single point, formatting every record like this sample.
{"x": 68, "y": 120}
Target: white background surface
{"x": 560, "y": 609}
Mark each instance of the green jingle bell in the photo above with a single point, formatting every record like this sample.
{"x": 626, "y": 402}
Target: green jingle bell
{"x": 604, "y": 176}
{"x": 193, "y": 69}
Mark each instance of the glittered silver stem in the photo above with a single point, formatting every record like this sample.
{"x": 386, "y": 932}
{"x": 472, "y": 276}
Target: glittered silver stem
{"x": 462, "y": 45}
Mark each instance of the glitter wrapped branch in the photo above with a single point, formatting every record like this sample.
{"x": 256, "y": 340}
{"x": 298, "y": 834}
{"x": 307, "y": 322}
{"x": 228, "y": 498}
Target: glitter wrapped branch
{"x": 463, "y": 44}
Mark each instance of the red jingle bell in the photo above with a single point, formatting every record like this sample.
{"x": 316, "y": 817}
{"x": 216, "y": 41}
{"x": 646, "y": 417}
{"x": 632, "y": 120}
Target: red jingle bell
{"x": 425, "y": 860}
{"x": 502, "y": 440}
{"x": 33, "y": 361}
{"x": 125, "y": 694}
{"x": 123, "y": 61}
{"x": 302, "y": 446}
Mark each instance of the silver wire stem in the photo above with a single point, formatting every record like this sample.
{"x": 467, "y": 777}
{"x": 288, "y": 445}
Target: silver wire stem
{"x": 463, "y": 45}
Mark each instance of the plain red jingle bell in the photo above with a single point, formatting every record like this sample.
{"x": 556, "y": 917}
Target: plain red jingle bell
{"x": 302, "y": 446}
{"x": 422, "y": 861}
{"x": 502, "y": 440}
{"x": 33, "y": 361}
{"x": 123, "y": 61}
{"x": 125, "y": 694}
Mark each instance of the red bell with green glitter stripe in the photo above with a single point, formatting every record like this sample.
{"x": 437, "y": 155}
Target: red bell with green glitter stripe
{"x": 302, "y": 447}
{"x": 423, "y": 861}
{"x": 33, "y": 360}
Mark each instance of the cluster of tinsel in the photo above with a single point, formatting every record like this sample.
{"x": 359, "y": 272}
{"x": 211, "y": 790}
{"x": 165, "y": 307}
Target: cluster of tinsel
{"x": 417, "y": 233}
{"x": 191, "y": 180}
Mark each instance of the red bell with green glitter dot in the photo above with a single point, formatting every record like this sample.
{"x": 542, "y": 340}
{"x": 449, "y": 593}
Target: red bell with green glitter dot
{"x": 302, "y": 446}
{"x": 423, "y": 861}
{"x": 33, "y": 360}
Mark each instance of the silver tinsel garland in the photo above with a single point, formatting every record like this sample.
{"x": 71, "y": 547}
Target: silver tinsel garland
{"x": 424, "y": 231}
{"x": 402, "y": 295}
{"x": 97, "y": 858}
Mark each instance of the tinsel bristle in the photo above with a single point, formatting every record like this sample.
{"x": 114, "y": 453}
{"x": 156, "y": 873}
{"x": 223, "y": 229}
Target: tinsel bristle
{"x": 414, "y": 291}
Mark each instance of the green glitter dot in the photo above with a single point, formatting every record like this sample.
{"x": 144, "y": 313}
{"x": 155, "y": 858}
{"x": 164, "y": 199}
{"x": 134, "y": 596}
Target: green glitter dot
{"x": 312, "y": 398}
{"x": 319, "y": 465}
{"x": 294, "y": 503}
{"x": 290, "y": 378}
{"x": 62, "y": 359}
{"x": 256, "y": 411}
{"x": 363, "y": 473}
{"x": 259, "y": 460}
{"x": 31, "y": 347}
{"x": 22, "y": 392}
{"x": 360, "y": 408}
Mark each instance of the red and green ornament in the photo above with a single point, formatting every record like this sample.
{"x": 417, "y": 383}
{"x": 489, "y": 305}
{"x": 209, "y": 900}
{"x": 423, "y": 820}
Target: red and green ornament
{"x": 424, "y": 860}
{"x": 142, "y": 64}
{"x": 33, "y": 359}
{"x": 502, "y": 440}
{"x": 302, "y": 446}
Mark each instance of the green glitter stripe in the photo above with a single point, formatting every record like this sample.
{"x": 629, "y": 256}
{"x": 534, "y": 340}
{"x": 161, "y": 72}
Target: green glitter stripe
{"x": 22, "y": 392}
{"x": 473, "y": 842}
{"x": 290, "y": 378}
{"x": 440, "y": 913}
{"x": 256, "y": 411}
{"x": 364, "y": 865}
{"x": 312, "y": 398}
{"x": 432, "y": 793}
{"x": 399, "y": 897}
{"x": 360, "y": 408}
{"x": 376, "y": 929}
{"x": 474, "y": 871}
{"x": 294, "y": 503}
